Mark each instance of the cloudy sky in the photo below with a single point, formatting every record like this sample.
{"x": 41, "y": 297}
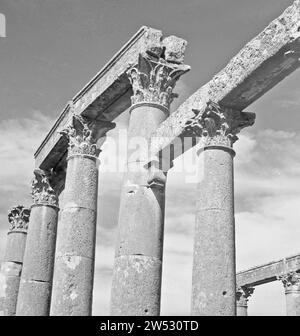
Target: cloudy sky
{"x": 51, "y": 51}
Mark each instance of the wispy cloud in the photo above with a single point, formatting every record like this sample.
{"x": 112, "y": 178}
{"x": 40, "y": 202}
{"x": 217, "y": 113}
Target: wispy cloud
{"x": 19, "y": 139}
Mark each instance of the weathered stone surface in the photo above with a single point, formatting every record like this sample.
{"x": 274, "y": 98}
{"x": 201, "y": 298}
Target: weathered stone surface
{"x": 75, "y": 252}
{"x": 73, "y": 285}
{"x": 86, "y": 171}
{"x": 40, "y": 246}
{"x": 11, "y": 268}
{"x": 9, "y": 287}
{"x": 15, "y": 246}
{"x": 107, "y": 95}
{"x": 76, "y": 239}
{"x": 213, "y": 284}
{"x": 77, "y": 226}
{"x": 136, "y": 288}
{"x": 34, "y": 298}
{"x": 36, "y": 281}
{"x": 42, "y": 191}
{"x": 141, "y": 229}
{"x": 261, "y": 64}
{"x": 286, "y": 270}
{"x": 242, "y": 296}
{"x": 269, "y": 272}
{"x": 291, "y": 283}
{"x": 141, "y": 216}
{"x": 141, "y": 224}
{"x": 154, "y": 78}
{"x": 18, "y": 218}
{"x": 218, "y": 126}
{"x": 292, "y": 303}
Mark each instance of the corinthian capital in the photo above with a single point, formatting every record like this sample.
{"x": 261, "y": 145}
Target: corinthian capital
{"x": 154, "y": 77}
{"x": 41, "y": 189}
{"x": 291, "y": 281}
{"x": 83, "y": 135}
{"x": 18, "y": 218}
{"x": 218, "y": 125}
{"x": 243, "y": 294}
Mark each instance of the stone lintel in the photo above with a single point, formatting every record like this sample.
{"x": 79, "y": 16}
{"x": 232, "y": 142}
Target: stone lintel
{"x": 260, "y": 65}
{"x": 99, "y": 98}
{"x": 106, "y": 96}
{"x": 269, "y": 272}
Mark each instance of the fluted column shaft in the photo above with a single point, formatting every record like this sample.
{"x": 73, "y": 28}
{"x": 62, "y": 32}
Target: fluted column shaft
{"x": 291, "y": 282}
{"x": 36, "y": 281}
{"x": 214, "y": 273}
{"x": 11, "y": 267}
{"x": 76, "y": 234}
{"x": 136, "y": 285}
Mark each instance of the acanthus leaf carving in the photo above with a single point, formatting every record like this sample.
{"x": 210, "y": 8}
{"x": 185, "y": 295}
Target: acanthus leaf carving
{"x": 153, "y": 79}
{"x": 217, "y": 125}
{"x": 83, "y": 135}
{"x": 41, "y": 190}
{"x": 290, "y": 280}
{"x": 243, "y": 294}
{"x": 18, "y": 218}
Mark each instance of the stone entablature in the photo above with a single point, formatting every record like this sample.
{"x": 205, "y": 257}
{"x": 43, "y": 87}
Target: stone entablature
{"x": 110, "y": 84}
{"x": 18, "y": 218}
{"x": 240, "y": 83}
{"x": 260, "y": 65}
{"x": 269, "y": 272}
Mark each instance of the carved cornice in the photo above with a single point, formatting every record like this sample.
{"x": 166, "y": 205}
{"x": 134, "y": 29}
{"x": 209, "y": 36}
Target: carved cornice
{"x": 154, "y": 77}
{"x": 243, "y": 294}
{"x": 18, "y": 218}
{"x": 291, "y": 281}
{"x": 41, "y": 190}
{"x": 83, "y": 135}
{"x": 218, "y": 126}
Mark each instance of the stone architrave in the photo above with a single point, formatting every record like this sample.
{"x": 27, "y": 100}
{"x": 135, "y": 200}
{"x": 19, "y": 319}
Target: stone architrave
{"x": 36, "y": 280}
{"x": 242, "y": 297}
{"x": 136, "y": 286}
{"x": 76, "y": 234}
{"x": 214, "y": 274}
{"x": 11, "y": 268}
{"x": 291, "y": 283}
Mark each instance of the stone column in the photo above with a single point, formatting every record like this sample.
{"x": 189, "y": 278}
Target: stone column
{"x": 76, "y": 234}
{"x": 214, "y": 283}
{"x": 242, "y": 297}
{"x": 36, "y": 280}
{"x": 137, "y": 272}
{"x": 291, "y": 283}
{"x": 11, "y": 268}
